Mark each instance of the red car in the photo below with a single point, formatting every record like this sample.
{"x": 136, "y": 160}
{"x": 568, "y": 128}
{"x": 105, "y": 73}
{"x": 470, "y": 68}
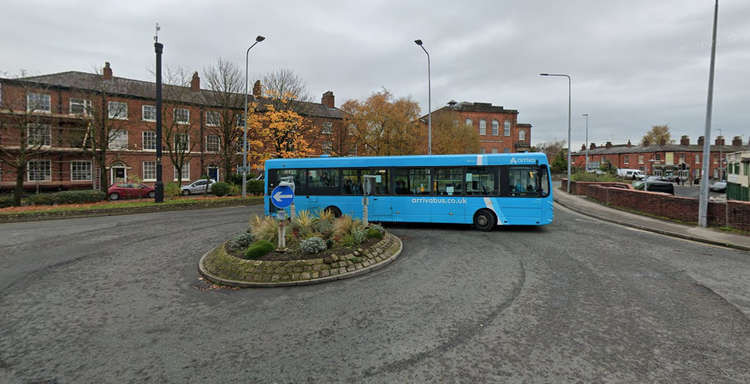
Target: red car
{"x": 130, "y": 191}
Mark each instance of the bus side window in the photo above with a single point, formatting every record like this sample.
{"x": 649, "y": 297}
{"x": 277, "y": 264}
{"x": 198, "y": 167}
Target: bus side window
{"x": 524, "y": 181}
{"x": 381, "y": 180}
{"x": 352, "y": 182}
{"x": 480, "y": 181}
{"x": 401, "y": 181}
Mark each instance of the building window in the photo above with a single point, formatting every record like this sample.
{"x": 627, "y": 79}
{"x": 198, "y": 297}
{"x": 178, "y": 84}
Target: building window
{"x": 327, "y": 147}
{"x": 149, "y": 140}
{"x": 80, "y": 170}
{"x": 495, "y": 128}
{"x": 482, "y": 127}
{"x": 185, "y": 171}
{"x": 626, "y": 159}
{"x": 657, "y": 156}
{"x": 38, "y": 134}
{"x": 494, "y": 150}
{"x": 698, "y": 158}
{"x": 182, "y": 142}
{"x": 682, "y": 158}
{"x": 119, "y": 139}
{"x": 716, "y": 160}
{"x": 117, "y": 110}
{"x": 506, "y": 128}
{"x": 80, "y": 107}
{"x": 469, "y": 123}
{"x": 212, "y": 143}
{"x": 38, "y": 102}
{"x": 149, "y": 170}
{"x": 181, "y": 116}
{"x": 640, "y": 159}
{"x": 39, "y": 170}
{"x": 327, "y": 128}
{"x": 148, "y": 113}
{"x": 522, "y": 135}
{"x": 506, "y": 150}
{"x": 481, "y": 150}
{"x": 213, "y": 118}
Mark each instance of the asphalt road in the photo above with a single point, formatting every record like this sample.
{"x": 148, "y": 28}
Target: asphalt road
{"x": 118, "y": 299}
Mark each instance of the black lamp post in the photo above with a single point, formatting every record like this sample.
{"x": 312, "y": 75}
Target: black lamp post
{"x": 158, "y": 47}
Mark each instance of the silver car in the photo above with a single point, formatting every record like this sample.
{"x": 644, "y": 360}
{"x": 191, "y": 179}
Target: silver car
{"x": 198, "y": 187}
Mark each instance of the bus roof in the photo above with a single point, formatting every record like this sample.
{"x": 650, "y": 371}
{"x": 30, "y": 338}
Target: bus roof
{"x": 526, "y": 158}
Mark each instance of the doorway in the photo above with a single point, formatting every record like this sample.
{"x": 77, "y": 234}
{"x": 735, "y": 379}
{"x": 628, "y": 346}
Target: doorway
{"x": 213, "y": 173}
{"x": 118, "y": 174}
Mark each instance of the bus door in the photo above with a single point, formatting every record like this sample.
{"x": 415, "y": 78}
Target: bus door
{"x": 522, "y": 190}
{"x": 375, "y": 188}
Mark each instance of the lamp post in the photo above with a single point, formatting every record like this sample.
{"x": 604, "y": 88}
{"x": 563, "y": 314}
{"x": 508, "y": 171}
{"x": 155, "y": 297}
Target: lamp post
{"x": 159, "y": 187}
{"x": 569, "y": 117}
{"x": 703, "y": 203}
{"x": 258, "y": 39}
{"x": 429, "y": 99}
{"x": 586, "y": 115}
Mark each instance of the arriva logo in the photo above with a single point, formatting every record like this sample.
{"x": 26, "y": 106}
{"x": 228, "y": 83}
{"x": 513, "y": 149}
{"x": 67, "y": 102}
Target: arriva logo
{"x": 513, "y": 160}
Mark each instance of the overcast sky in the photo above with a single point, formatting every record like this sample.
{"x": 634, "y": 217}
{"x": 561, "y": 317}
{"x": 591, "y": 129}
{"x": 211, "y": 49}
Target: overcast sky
{"x": 635, "y": 63}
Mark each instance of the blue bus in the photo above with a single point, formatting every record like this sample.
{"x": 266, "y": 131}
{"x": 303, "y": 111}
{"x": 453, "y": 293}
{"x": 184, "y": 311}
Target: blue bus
{"x": 483, "y": 190}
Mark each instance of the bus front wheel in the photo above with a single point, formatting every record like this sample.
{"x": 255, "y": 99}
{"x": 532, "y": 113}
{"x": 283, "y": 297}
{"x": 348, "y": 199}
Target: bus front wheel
{"x": 484, "y": 220}
{"x": 334, "y": 210}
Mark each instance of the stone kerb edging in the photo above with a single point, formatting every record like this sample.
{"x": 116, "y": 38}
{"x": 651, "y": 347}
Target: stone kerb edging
{"x": 310, "y": 271}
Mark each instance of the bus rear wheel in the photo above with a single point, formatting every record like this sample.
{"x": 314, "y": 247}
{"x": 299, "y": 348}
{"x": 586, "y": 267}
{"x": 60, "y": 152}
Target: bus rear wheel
{"x": 333, "y": 210}
{"x": 484, "y": 220}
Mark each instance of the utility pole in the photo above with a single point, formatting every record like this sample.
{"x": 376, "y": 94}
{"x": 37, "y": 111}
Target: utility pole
{"x": 586, "y": 115}
{"x": 703, "y": 205}
{"x": 159, "y": 48}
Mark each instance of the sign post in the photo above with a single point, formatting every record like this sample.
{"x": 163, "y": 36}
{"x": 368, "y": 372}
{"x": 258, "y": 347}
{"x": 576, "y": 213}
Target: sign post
{"x": 282, "y": 197}
{"x": 368, "y": 182}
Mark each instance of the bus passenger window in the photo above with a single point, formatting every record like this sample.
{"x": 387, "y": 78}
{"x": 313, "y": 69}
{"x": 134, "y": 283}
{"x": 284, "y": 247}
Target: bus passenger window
{"x": 450, "y": 181}
{"x": 401, "y": 181}
{"x": 420, "y": 181}
{"x": 480, "y": 181}
{"x": 352, "y": 182}
{"x": 381, "y": 180}
{"x": 323, "y": 181}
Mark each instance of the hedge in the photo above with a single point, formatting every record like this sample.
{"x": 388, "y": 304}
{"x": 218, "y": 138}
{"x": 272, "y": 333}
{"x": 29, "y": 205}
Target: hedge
{"x": 66, "y": 197}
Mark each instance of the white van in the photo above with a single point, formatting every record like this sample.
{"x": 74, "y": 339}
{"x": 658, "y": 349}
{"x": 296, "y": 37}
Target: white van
{"x": 633, "y": 174}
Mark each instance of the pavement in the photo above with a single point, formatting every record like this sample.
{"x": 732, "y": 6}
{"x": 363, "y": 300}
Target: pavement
{"x": 708, "y": 235}
{"x": 118, "y": 299}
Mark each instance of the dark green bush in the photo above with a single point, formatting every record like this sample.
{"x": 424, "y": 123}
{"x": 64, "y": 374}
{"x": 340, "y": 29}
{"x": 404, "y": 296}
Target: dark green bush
{"x": 373, "y": 233}
{"x": 221, "y": 188}
{"x": 258, "y": 249}
{"x": 240, "y": 242}
{"x": 171, "y": 190}
{"x": 6, "y": 201}
{"x": 255, "y": 187}
{"x": 67, "y": 197}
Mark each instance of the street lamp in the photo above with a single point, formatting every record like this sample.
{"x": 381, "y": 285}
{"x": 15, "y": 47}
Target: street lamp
{"x": 586, "y": 115}
{"x": 703, "y": 202}
{"x": 429, "y": 99}
{"x": 258, "y": 39}
{"x": 569, "y": 109}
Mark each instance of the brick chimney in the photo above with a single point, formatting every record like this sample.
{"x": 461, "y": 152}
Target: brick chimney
{"x": 685, "y": 140}
{"x": 701, "y": 140}
{"x": 629, "y": 144}
{"x": 719, "y": 140}
{"x": 257, "y": 89}
{"x": 737, "y": 141}
{"x": 107, "y": 71}
{"x": 327, "y": 99}
{"x": 608, "y": 145}
{"x": 592, "y": 146}
{"x": 583, "y": 147}
{"x": 195, "y": 82}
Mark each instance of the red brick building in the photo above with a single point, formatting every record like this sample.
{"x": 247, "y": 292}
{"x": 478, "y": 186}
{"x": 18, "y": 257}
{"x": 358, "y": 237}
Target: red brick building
{"x": 56, "y": 108}
{"x": 498, "y": 128}
{"x": 655, "y": 159}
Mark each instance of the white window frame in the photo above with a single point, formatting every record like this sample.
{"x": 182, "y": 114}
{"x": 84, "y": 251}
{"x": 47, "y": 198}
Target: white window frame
{"x": 495, "y": 128}
{"x": 327, "y": 128}
{"x": 506, "y": 128}
{"x": 482, "y": 127}
{"x": 143, "y": 170}
{"x": 48, "y": 175}
{"x": 217, "y": 114}
{"x": 218, "y": 143}
{"x": 111, "y": 145}
{"x": 175, "y": 114}
{"x": 185, "y": 169}
{"x": 73, "y": 170}
{"x": 521, "y": 135}
{"x": 48, "y": 136}
{"x": 187, "y": 142}
{"x": 122, "y": 114}
{"x": 626, "y": 159}
{"x": 698, "y": 158}
{"x": 143, "y": 112}
{"x": 143, "y": 141}
{"x": 469, "y": 122}
{"x": 326, "y": 147}
{"x": 85, "y": 103}
{"x": 31, "y": 105}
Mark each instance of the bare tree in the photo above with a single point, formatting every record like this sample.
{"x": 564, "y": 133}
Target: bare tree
{"x": 25, "y": 132}
{"x": 226, "y": 94}
{"x": 177, "y": 132}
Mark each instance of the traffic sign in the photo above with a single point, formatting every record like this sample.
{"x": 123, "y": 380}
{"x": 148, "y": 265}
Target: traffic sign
{"x": 282, "y": 196}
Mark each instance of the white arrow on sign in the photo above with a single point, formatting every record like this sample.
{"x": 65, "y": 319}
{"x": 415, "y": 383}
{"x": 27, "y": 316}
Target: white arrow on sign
{"x": 278, "y": 196}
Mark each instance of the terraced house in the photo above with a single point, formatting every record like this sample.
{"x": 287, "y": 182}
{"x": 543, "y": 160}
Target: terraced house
{"x": 73, "y": 130}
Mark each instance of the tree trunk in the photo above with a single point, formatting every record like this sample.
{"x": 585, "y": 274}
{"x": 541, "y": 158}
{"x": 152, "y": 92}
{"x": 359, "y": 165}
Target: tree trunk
{"x": 18, "y": 192}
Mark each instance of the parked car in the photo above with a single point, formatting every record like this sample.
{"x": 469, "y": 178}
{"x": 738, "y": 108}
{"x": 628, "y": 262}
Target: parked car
{"x": 634, "y": 174}
{"x": 659, "y": 186}
{"x": 198, "y": 186}
{"x": 129, "y": 191}
{"x": 719, "y": 186}
{"x": 639, "y": 185}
